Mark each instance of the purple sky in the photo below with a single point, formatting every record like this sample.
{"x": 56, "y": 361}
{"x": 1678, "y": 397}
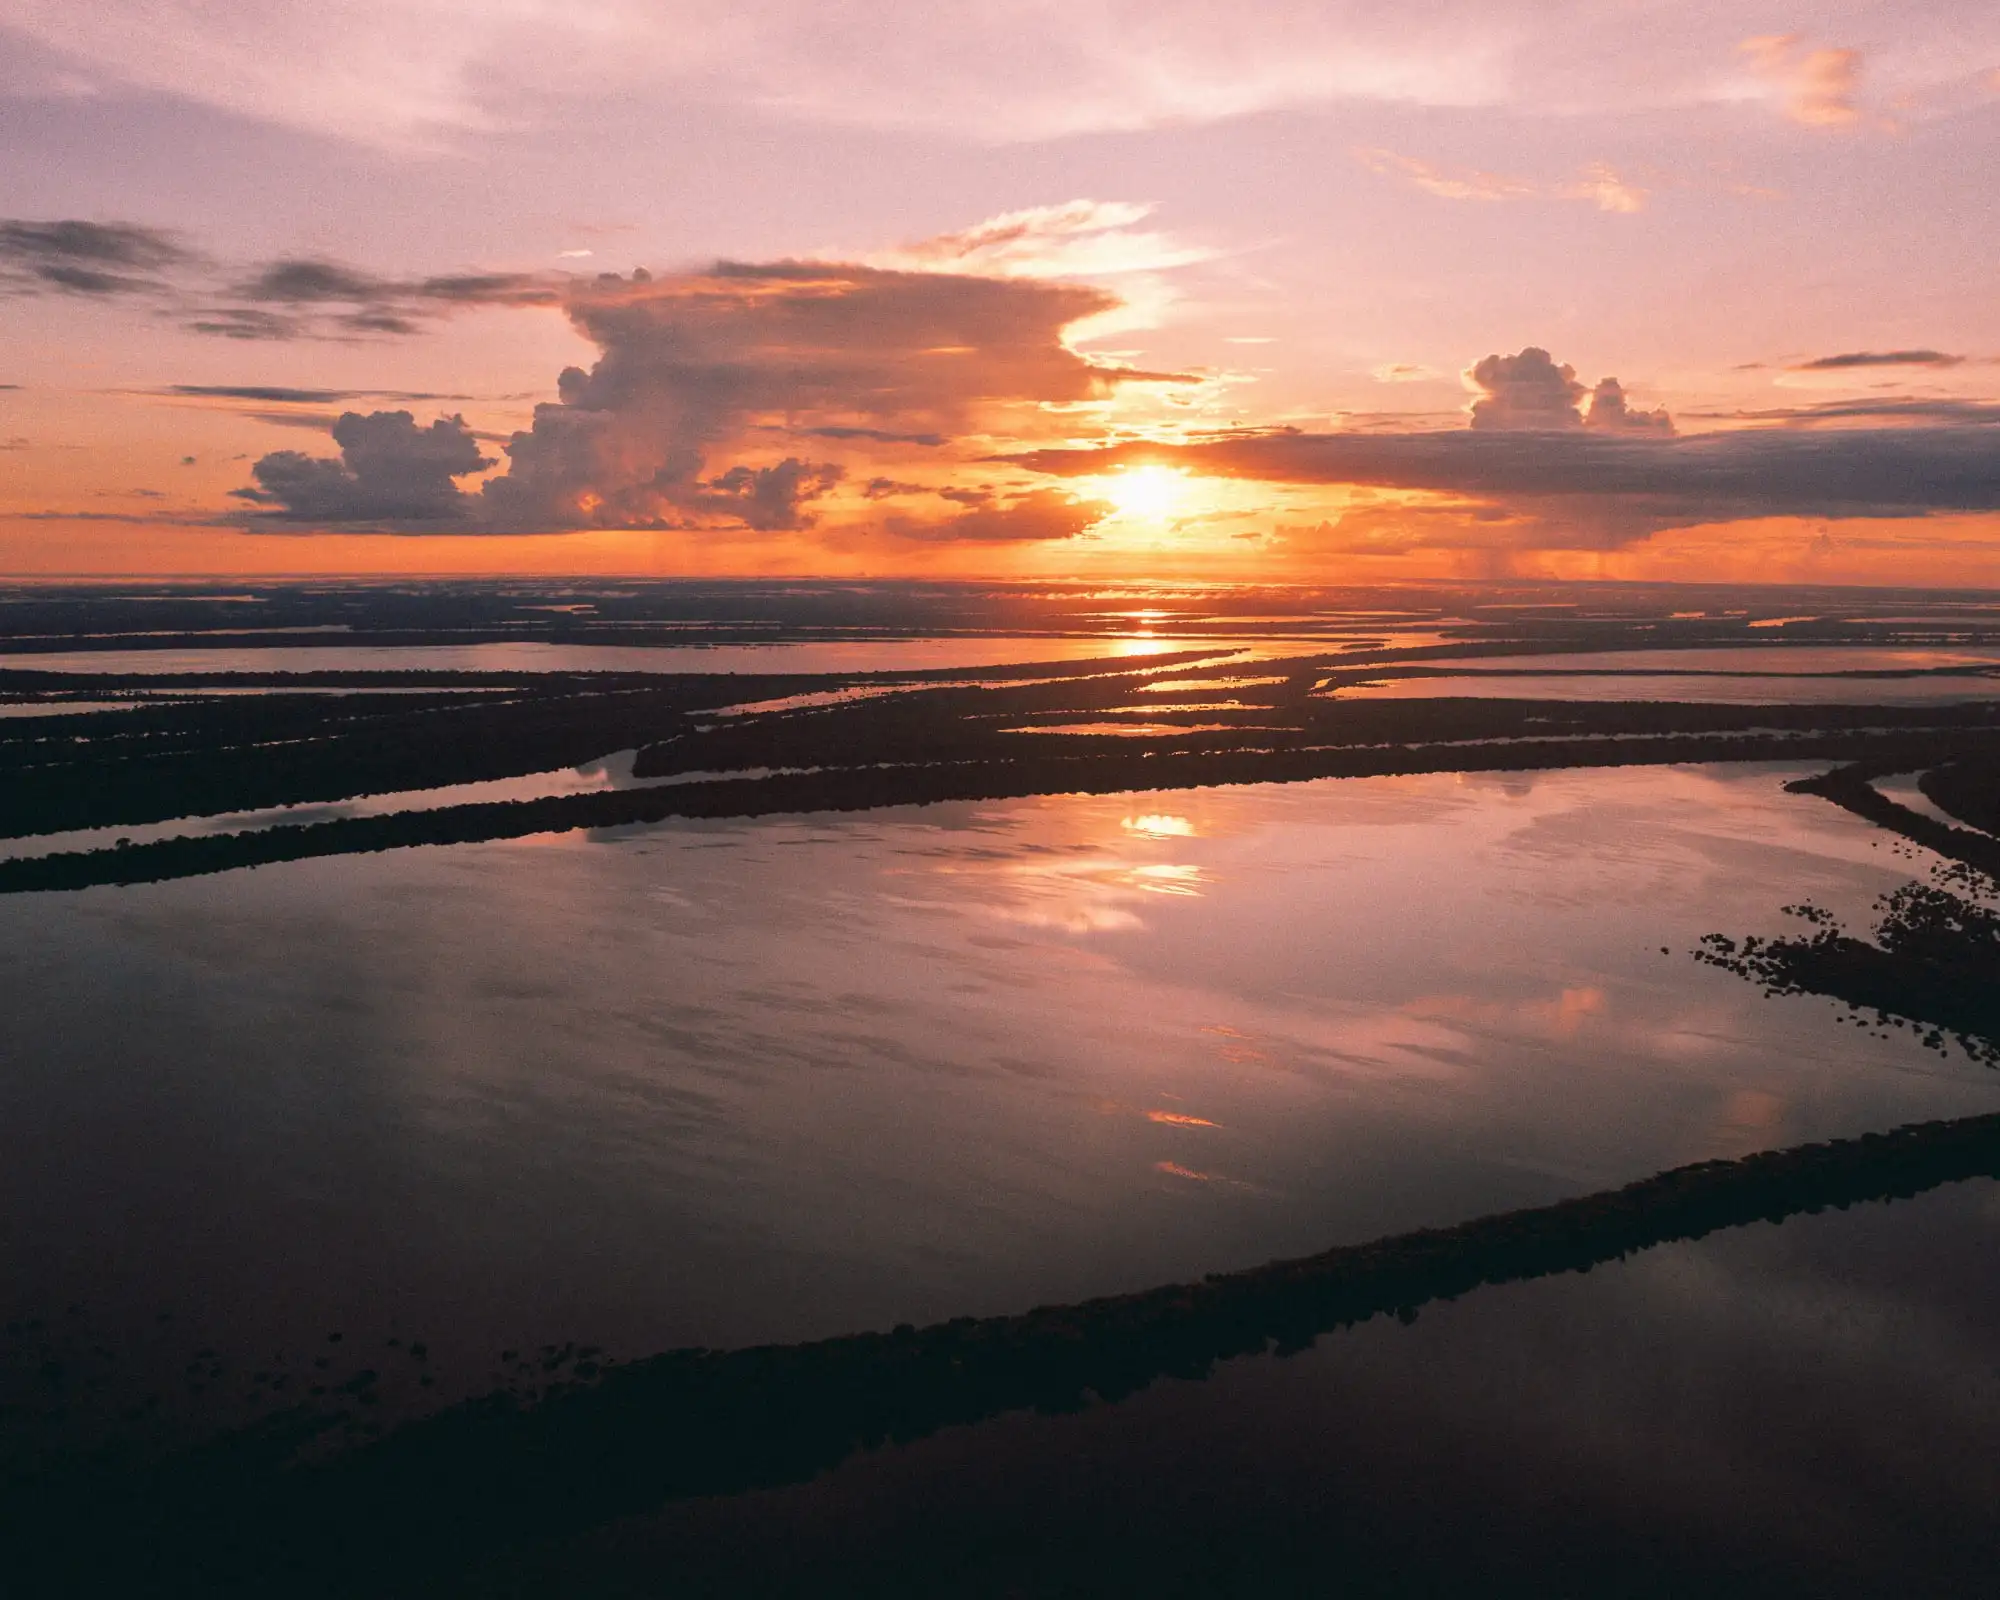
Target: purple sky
{"x": 967, "y": 237}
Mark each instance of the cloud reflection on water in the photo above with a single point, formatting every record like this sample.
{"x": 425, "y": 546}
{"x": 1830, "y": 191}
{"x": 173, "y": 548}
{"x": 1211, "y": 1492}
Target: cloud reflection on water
{"x": 802, "y": 1075}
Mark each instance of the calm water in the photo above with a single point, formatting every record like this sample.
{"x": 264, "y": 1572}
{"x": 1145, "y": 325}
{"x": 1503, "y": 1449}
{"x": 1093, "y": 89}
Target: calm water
{"x": 1764, "y": 689}
{"x": 730, "y": 1082}
{"x": 1800, "y": 658}
{"x": 1801, "y": 1410}
{"x": 860, "y": 655}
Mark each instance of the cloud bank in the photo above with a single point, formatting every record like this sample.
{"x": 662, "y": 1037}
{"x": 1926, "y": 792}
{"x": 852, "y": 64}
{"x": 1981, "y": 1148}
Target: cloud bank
{"x": 1535, "y": 470}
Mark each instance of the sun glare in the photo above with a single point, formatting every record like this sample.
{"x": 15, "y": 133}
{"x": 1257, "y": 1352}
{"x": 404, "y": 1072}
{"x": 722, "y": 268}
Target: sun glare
{"x": 1147, "y": 494}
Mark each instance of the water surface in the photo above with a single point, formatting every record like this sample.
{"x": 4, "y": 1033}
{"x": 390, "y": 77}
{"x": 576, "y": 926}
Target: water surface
{"x": 731, "y": 1082}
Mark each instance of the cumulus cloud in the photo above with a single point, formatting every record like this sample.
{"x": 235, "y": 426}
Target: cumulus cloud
{"x": 1529, "y": 392}
{"x": 689, "y": 362}
{"x": 389, "y": 471}
{"x": 87, "y": 258}
{"x": 767, "y": 498}
{"x": 1525, "y": 391}
{"x": 1531, "y": 471}
{"x": 663, "y": 430}
{"x": 1609, "y": 412}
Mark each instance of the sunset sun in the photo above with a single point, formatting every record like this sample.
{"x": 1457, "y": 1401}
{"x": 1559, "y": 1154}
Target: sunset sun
{"x": 1147, "y": 494}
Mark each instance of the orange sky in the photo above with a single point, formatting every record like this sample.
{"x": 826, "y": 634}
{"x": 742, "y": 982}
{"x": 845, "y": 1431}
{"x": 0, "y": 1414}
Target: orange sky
{"x": 1471, "y": 295}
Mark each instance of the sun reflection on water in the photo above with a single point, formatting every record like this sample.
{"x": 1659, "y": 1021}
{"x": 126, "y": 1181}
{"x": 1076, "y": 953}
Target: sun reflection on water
{"x": 1158, "y": 825}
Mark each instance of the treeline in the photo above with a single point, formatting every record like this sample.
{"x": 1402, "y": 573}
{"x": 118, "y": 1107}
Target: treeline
{"x": 867, "y": 788}
{"x": 495, "y": 1473}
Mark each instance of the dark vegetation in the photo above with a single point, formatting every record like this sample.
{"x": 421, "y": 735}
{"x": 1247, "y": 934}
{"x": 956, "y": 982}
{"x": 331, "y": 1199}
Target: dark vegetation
{"x": 1932, "y": 962}
{"x": 868, "y": 787}
{"x": 1968, "y": 790}
{"x": 245, "y": 1514}
{"x": 919, "y": 738}
{"x": 1933, "y": 965}
{"x": 1517, "y": 617}
{"x": 172, "y": 751}
{"x": 327, "y": 1494}
{"x": 196, "y": 756}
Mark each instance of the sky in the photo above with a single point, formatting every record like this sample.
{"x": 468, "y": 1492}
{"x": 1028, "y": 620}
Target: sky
{"x": 1266, "y": 291}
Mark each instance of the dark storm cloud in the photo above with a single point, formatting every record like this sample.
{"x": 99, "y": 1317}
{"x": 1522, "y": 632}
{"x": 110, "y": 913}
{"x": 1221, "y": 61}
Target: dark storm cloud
{"x": 694, "y": 366}
{"x": 767, "y": 498}
{"x": 838, "y": 351}
{"x": 1881, "y": 358}
{"x": 688, "y": 362}
{"x": 389, "y": 471}
{"x": 88, "y": 258}
{"x": 1558, "y": 483}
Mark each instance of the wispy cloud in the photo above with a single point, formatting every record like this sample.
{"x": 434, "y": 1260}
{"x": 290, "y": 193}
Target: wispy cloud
{"x": 272, "y": 394}
{"x": 305, "y": 297}
{"x": 87, "y": 258}
{"x": 402, "y": 74}
{"x": 1880, "y": 358}
{"x": 289, "y": 298}
{"x": 1816, "y": 87}
{"x": 1598, "y": 183}
{"x": 1904, "y": 409}
{"x": 1079, "y": 238}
